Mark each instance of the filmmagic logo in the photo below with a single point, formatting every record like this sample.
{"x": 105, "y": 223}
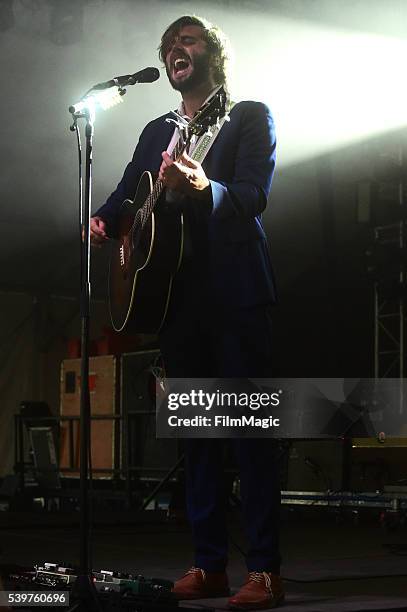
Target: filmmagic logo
{"x": 207, "y": 401}
{"x": 224, "y": 421}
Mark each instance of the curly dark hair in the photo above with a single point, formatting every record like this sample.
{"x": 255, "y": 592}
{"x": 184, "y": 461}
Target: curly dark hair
{"x": 218, "y": 44}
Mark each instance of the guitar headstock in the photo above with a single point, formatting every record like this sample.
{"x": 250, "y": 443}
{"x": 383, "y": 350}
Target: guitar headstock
{"x": 209, "y": 114}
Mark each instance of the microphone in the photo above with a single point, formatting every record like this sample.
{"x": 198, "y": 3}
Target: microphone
{"x": 147, "y": 75}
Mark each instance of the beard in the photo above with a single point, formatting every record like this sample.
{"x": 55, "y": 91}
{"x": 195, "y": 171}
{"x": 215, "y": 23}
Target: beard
{"x": 201, "y": 69}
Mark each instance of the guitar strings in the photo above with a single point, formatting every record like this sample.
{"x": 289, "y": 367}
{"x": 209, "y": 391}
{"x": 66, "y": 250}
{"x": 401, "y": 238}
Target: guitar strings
{"x": 146, "y": 210}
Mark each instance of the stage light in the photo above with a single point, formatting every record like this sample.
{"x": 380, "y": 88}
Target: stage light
{"x": 327, "y": 87}
{"x": 108, "y": 98}
{"x": 102, "y": 99}
{"x": 6, "y": 15}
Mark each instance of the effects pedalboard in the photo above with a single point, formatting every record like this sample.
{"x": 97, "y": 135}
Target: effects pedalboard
{"x": 58, "y": 575}
{"x": 116, "y": 590}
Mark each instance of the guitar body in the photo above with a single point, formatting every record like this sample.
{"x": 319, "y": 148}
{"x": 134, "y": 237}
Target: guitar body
{"x": 143, "y": 262}
{"x": 148, "y": 252}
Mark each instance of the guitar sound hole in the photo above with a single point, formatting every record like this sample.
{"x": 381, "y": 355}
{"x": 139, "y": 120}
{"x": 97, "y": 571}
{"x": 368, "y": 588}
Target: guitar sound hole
{"x": 136, "y": 240}
{"x": 141, "y": 237}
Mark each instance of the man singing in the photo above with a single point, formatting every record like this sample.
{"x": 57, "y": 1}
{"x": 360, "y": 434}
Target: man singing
{"x": 218, "y": 321}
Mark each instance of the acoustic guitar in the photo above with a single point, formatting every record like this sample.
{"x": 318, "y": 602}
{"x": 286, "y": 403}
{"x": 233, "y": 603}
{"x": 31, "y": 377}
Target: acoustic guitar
{"x": 148, "y": 252}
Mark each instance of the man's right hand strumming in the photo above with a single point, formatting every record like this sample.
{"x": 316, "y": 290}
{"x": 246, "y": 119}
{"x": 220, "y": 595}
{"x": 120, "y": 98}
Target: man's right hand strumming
{"x": 98, "y": 234}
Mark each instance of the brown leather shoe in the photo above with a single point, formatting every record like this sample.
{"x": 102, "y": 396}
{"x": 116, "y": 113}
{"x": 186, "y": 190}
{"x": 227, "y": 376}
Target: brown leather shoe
{"x": 262, "y": 590}
{"x": 199, "y": 584}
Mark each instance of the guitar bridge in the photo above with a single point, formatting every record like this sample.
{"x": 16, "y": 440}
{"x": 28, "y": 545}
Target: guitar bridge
{"x": 122, "y": 255}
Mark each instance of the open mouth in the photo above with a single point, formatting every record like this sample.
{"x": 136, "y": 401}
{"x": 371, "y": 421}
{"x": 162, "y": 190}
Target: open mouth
{"x": 181, "y": 67}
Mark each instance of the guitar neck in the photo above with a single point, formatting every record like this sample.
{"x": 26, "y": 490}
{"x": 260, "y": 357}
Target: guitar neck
{"x": 151, "y": 200}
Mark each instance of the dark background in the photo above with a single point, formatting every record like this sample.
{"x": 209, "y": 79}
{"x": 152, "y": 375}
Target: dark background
{"x": 319, "y": 219}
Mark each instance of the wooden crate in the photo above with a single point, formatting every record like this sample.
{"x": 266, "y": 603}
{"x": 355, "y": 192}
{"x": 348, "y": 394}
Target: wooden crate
{"x": 103, "y": 401}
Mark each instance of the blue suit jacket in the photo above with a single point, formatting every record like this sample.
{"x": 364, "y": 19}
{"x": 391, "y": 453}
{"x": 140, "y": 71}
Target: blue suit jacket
{"x": 227, "y": 244}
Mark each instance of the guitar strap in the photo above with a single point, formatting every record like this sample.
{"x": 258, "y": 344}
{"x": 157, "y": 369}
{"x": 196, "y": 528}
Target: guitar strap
{"x": 205, "y": 142}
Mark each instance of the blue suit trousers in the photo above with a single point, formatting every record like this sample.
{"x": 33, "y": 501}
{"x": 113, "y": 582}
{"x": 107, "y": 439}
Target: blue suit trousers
{"x": 199, "y": 342}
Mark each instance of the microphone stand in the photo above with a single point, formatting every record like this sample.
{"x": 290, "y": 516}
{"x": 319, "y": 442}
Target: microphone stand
{"x": 84, "y": 591}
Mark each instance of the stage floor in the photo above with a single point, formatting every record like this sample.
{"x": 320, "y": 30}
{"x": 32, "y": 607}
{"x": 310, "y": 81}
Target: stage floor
{"x": 327, "y": 566}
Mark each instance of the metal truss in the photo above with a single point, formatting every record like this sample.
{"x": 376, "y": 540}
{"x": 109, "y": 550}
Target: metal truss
{"x": 390, "y": 309}
{"x": 390, "y": 294}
